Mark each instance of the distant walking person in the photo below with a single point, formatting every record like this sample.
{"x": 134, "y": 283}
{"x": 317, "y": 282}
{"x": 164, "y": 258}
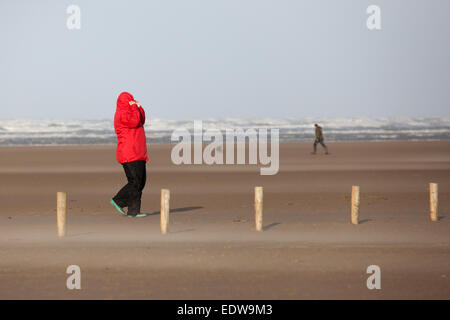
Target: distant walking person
{"x": 131, "y": 152}
{"x": 319, "y": 139}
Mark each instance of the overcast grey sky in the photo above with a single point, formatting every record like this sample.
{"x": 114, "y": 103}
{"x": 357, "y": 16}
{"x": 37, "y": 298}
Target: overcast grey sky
{"x": 225, "y": 58}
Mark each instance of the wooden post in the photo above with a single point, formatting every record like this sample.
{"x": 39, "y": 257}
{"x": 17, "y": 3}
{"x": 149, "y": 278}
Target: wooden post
{"x": 165, "y": 198}
{"x": 61, "y": 204}
{"x": 259, "y": 208}
{"x": 434, "y": 204}
{"x": 355, "y": 205}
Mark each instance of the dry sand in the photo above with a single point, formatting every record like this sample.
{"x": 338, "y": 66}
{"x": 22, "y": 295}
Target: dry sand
{"x": 308, "y": 249}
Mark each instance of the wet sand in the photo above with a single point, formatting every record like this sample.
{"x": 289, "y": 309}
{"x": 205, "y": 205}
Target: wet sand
{"x": 308, "y": 250}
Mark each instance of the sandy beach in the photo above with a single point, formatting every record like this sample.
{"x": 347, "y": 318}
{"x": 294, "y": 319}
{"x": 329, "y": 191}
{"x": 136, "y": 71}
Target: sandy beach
{"x": 308, "y": 250}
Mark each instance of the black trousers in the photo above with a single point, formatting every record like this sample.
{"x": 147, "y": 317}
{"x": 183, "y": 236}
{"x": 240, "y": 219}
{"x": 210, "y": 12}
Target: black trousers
{"x": 130, "y": 195}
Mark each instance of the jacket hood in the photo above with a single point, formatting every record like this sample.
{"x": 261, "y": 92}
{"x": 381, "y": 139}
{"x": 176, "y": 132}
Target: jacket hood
{"x": 123, "y": 101}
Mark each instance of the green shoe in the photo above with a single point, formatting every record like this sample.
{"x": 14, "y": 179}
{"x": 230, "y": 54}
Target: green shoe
{"x": 140, "y": 215}
{"x": 117, "y": 207}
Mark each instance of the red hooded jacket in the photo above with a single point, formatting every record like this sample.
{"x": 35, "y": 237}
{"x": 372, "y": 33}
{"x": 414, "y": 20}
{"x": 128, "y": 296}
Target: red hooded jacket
{"x": 129, "y": 126}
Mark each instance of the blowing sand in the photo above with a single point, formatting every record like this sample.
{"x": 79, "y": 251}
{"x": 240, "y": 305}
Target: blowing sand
{"x": 308, "y": 248}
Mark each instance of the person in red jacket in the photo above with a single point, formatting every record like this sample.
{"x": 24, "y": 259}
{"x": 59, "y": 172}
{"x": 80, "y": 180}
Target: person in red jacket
{"x": 131, "y": 152}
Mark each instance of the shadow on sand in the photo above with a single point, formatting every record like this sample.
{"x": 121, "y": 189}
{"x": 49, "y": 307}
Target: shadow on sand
{"x": 182, "y": 231}
{"x": 269, "y": 226}
{"x": 176, "y": 210}
{"x": 79, "y": 234}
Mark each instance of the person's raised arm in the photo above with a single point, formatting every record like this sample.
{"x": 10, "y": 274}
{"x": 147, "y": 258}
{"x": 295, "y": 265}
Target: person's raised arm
{"x": 131, "y": 118}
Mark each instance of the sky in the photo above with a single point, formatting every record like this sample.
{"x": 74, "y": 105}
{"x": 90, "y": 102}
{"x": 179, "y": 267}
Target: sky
{"x": 200, "y": 59}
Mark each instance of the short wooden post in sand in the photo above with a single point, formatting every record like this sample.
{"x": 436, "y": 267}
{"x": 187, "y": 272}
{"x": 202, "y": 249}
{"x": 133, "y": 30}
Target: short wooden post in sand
{"x": 355, "y": 205}
{"x": 61, "y": 205}
{"x": 434, "y": 204}
{"x": 165, "y": 198}
{"x": 259, "y": 208}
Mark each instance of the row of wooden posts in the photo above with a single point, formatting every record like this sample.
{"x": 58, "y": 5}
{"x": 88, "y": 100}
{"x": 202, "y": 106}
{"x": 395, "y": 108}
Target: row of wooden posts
{"x": 165, "y": 209}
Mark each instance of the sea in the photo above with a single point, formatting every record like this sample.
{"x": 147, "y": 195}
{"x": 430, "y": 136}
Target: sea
{"x": 41, "y": 132}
